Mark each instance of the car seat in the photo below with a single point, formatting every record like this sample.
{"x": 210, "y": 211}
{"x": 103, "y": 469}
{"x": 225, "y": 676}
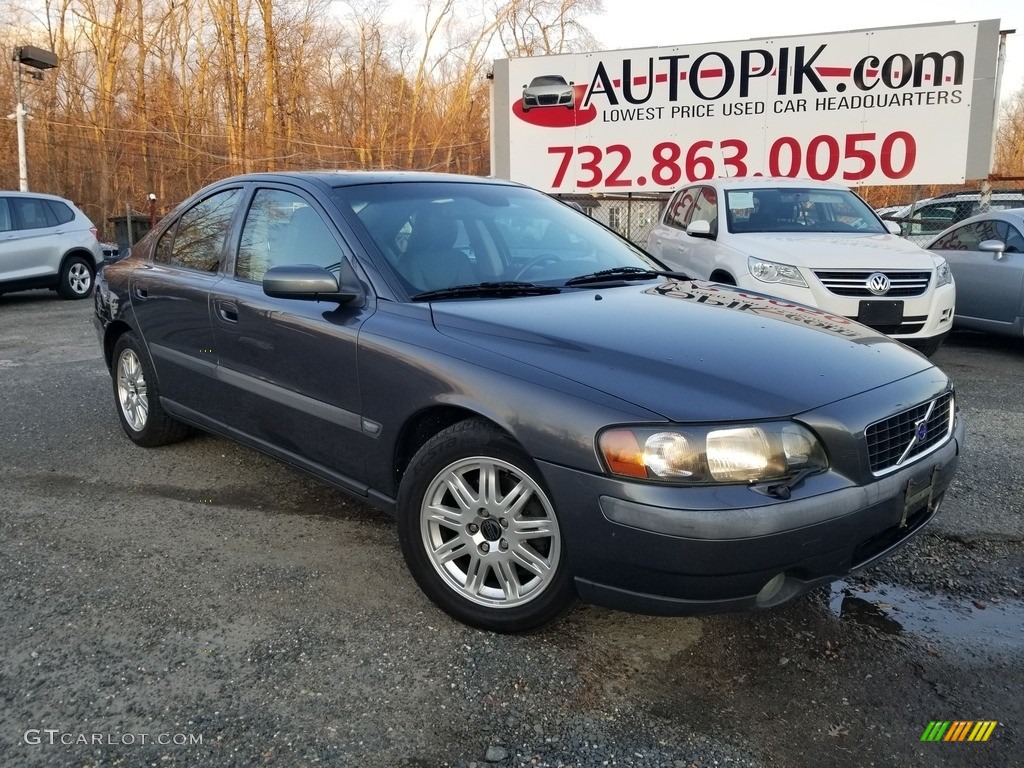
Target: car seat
{"x": 431, "y": 261}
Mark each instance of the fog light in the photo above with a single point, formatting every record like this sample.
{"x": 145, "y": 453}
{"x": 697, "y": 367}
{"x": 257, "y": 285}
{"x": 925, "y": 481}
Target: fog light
{"x": 771, "y": 590}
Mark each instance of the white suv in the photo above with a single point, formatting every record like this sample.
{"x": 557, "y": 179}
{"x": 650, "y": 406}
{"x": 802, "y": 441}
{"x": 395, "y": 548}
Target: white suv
{"x": 46, "y": 242}
{"x": 809, "y": 242}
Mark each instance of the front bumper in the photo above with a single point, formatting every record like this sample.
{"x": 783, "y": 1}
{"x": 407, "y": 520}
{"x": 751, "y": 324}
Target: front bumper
{"x": 653, "y": 550}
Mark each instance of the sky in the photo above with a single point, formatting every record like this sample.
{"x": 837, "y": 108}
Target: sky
{"x": 641, "y": 23}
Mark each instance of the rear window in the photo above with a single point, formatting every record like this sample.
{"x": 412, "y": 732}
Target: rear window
{"x": 61, "y": 211}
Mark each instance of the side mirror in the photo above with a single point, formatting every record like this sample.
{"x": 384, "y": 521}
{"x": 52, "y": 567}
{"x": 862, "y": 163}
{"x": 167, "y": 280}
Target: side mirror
{"x": 893, "y": 227}
{"x": 997, "y": 247}
{"x": 699, "y": 229}
{"x": 311, "y": 283}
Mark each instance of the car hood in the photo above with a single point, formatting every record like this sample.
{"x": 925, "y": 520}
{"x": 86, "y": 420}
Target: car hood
{"x": 686, "y": 350}
{"x": 834, "y": 251}
{"x": 547, "y": 90}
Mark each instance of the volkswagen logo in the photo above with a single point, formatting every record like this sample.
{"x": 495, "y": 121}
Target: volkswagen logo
{"x": 878, "y": 284}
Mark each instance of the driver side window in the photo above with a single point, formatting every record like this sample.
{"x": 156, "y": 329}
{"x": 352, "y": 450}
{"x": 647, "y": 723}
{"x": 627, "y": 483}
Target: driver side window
{"x": 679, "y": 207}
{"x": 705, "y": 208}
{"x": 282, "y": 229}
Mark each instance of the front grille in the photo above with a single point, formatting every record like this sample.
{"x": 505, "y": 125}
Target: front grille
{"x": 855, "y": 282}
{"x": 547, "y": 101}
{"x": 899, "y": 439}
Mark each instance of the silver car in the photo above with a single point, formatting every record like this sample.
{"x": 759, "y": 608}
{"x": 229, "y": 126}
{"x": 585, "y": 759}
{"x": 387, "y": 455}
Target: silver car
{"x": 46, "y": 242}
{"x": 548, "y": 91}
{"x": 986, "y": 254}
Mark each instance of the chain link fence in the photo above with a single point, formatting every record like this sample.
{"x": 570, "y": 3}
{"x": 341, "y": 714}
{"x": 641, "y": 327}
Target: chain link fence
{"x": 631, "y": 215}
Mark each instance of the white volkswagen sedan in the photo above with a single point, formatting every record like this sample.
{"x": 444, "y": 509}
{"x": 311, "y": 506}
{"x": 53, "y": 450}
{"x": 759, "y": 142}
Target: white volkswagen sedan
{"x": 809, "y": 242}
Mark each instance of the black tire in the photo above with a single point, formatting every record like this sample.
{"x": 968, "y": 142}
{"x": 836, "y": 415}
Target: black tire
{"x": 498, "y": 564}
{"x": 137, "y": 397}
{"x": 76, "y": 279}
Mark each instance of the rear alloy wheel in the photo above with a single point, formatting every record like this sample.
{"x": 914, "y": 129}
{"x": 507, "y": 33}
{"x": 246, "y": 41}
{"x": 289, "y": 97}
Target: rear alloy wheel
{"x": 480, "y": 533}
{"x": 75, "y": 279}
{"x": 138, "y": 399}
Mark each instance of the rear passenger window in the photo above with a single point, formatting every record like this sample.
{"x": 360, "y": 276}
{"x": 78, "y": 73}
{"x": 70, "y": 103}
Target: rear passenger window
{"x": 31, "y": 213}
{"x": 61, "y": 212}
{"x": 199, "y": 238}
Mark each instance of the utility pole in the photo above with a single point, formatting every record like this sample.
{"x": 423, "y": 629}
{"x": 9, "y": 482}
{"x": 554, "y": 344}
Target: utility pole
{"x": 37, "y": 58}
{"x": 19, "y": 116}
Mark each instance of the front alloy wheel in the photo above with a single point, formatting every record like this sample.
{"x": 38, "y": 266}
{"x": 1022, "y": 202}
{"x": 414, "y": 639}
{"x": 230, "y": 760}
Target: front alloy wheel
{"x": 480, "y": 533}
{"x": 490, "y": 532}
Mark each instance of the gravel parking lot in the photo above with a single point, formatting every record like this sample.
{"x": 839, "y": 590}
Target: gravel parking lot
{"x": 201, "y": 605}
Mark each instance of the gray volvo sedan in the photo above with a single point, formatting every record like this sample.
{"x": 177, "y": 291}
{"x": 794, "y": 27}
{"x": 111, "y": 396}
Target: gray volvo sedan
{"x": 547, "y": 411}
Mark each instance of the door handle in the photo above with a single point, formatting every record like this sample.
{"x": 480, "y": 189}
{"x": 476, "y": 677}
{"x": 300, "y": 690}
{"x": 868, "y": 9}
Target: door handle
{"x": 141, "y": 291}
{"x": 228, "y": 311}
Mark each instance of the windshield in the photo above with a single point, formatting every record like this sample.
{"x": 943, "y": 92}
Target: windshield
{"x": 547, "y": 80}
{"x": 438, "y": 235}
{"x": 790, "y": 209}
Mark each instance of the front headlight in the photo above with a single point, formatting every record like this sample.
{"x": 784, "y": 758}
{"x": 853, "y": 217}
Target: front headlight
{"x": 773, "y": 272}
{"x": 943, "y": 273}
{"x": 703, "y": 455}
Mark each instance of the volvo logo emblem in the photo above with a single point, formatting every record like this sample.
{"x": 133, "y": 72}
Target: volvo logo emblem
{"x": 922, "y": 430}
{"x": 878, "y": 283}
{"x": 490, "y": 529}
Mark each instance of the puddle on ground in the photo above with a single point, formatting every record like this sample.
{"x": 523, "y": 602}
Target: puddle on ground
{"x": 896, "y": 610}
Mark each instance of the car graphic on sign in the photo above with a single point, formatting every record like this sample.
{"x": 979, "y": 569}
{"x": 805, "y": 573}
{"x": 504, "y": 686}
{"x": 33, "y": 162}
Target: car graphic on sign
{"x": 548, "y": 91}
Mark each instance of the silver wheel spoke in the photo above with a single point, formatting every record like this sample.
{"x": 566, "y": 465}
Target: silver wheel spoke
{"x": 446, "y": 516}
{"x": 516, "y": 499}
{"x": 464, "y": 497}
{"x": 476, "y": 574}
{"x": 530, "y": 560}
{"x": 508, "y": 579}
{"x": 450, "y": 550}
{"x": 489, "y": 484}
{"x": 532, "y": 528}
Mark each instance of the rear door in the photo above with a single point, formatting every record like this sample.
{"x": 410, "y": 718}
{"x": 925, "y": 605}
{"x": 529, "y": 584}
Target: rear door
{"x": 170, "y": 296}
{"x": 32, "y": 247}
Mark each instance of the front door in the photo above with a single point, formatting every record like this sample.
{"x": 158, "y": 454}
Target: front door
{"x": 293, "y": 364}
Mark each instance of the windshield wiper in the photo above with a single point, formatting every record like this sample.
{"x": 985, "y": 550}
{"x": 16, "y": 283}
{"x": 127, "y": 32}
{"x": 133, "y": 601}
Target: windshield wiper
{"x": 617, "y": 274}
{"x": 501, "y": 288}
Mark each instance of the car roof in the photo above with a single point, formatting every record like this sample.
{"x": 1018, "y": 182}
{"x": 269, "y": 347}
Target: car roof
{"x": 758, "y": 182}
{"x": 335, "y": 178}
{"x": 41, "y": 195}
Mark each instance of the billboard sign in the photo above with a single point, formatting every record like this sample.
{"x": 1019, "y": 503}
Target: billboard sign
{"x": 899, "y": 105}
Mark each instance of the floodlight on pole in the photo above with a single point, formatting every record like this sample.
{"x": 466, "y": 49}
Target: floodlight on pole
{"x": 36, "y": 58}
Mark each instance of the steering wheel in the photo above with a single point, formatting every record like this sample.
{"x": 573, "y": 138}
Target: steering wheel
{"x": 536, "y": 262}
